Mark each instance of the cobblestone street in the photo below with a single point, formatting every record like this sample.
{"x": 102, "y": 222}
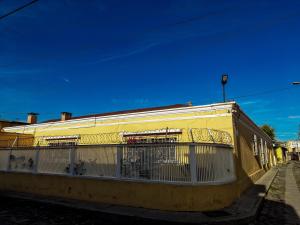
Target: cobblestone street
{"x": 275, "y": 209}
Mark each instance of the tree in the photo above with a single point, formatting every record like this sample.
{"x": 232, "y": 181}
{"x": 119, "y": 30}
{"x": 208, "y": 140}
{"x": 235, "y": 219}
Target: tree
{"x": 269, "y": 131}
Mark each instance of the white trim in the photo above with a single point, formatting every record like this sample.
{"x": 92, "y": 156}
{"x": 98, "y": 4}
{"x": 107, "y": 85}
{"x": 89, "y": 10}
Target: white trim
{"x": 129, "y": 115}
{"x": 137, "y": 122}
{"x": 61, "y": 137}
{"x": 149, "y": 132}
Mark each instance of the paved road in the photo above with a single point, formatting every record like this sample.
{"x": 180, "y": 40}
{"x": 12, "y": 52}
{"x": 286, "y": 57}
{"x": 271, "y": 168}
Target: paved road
{"x": 282, "y": 206}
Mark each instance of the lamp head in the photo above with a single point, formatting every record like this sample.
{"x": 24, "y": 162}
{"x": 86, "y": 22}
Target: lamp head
{"x": 224, "y": 79}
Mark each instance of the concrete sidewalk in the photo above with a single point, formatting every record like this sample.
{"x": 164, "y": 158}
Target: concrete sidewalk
{"x": 292, "y": 195}
{"x": 244, "y": 210}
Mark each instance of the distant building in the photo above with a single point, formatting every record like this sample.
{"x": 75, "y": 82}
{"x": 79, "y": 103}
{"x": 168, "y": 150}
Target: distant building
{"x": 281, "y": 152}
{"x": 293, "y": 149}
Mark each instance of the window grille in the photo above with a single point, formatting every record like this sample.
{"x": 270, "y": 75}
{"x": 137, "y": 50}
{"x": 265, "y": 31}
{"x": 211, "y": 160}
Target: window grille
{"x": 255, "y": 146}
{"x": 262, "y": 152}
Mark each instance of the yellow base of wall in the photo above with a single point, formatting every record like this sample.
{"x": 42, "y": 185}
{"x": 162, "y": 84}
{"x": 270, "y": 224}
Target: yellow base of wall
{"x": 137, "y": 194}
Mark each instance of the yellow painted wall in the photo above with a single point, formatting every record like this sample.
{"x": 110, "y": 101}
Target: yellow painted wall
{"x": 138, "y": 194}
{"x": 279, "y": 154}
{"x": 137, "y": 123}
{"x": 248, "y": 166}
{"x": 8, "y": 139}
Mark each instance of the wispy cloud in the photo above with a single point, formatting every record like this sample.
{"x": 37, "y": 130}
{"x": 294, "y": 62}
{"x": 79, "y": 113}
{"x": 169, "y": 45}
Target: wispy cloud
{"x": 67, "y": 80}
{"x": 294, "y": 117}
{"x": 248, "y": 103}
{"x": 137, "y": 101}
{"x": 258, "y": 106}
{"x": 264, "y": 110}
{"x": 287, "y": 133}
{"x": 125, "y": 54}
{"x": 18, "y": 72}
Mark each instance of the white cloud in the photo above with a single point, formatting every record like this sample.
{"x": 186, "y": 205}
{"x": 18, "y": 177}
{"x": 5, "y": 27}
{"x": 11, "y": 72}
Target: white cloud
{"x": 248, "y": 103}
{"x": 294, "y": 117}
{"x": 126, "y": 54}
{"x": 138, "y": 101}
{"x": 5, "y": 73}
{"x": 66, "y": 80}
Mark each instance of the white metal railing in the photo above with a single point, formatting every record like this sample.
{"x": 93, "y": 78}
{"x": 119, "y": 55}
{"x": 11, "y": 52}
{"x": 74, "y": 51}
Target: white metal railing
{"x": 4, "y": 159}
{"x": 95, "y": 161}
{"x": 156, "y": 162}
{"x": 171, "y": 162}
{"x": 22, "y": 160}
{"x": 56, "y": 161}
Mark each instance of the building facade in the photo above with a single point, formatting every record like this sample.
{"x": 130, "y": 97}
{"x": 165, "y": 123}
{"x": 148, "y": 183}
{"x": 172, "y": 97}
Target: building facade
{"x": 179, "y": 158}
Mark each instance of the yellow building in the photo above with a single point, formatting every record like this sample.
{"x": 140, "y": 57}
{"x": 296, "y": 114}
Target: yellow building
{"x": 281, "y": 152}
{"x": 178, "y": 158}
{"x": 10, "y": 139}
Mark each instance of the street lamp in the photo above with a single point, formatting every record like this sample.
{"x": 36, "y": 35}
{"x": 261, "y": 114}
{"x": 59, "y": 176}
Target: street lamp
{"x": 224, "y": 81}
{"x": 297, "y": 83}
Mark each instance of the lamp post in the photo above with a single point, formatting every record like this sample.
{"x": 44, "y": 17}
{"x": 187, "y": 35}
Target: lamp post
{"x": 298, "y": 142}
{"x": 224, "y": 82}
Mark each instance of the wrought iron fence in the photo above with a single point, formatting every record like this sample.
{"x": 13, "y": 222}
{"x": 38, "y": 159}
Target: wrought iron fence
{"x": 195, "y": 135}
{"x": 168, "y": 162}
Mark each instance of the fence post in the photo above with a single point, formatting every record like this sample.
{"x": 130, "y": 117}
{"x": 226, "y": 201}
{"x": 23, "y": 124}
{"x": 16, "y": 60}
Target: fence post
{"x": 192, "y": 161}
{"x": 71, "y": 160}
{"x": 119, "y": 160}
{"x": 37, "y": 155}
{"x": 8, "y": 160}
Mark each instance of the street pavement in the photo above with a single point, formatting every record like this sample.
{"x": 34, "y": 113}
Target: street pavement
{"x": 281, "y": 206}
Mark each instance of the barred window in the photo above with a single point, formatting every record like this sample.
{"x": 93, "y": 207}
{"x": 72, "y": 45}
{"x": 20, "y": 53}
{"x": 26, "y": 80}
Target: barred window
{"x": 62, "y": 144}
{"x": 262, "y": 152}
{"x": 255, "y": 147}
{"x": 266, "y": 153}
{"x": 162, "y": 153}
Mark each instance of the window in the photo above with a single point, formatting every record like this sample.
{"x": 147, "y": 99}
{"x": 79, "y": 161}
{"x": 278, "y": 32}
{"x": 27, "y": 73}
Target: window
{"x": 255, "y": 147}
{"x": 266, "y": 153}
{"x": 262, "y": 152}
{"x": 62, "y": 144}
{"x": 163, "y": 153}
{"x": 62, "y": 141}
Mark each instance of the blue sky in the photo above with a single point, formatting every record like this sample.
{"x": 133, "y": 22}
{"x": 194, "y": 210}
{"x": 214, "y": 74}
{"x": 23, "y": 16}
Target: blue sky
{"x": 98, "y": 56}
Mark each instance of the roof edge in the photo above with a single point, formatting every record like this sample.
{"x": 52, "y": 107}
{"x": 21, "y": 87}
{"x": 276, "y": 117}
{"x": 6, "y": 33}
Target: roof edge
{"x": 127, "y": 112}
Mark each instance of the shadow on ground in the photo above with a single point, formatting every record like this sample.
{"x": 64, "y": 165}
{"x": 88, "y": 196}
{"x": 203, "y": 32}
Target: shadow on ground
{"x": 273, "y": 211}
{"x": 26, "y": 212}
